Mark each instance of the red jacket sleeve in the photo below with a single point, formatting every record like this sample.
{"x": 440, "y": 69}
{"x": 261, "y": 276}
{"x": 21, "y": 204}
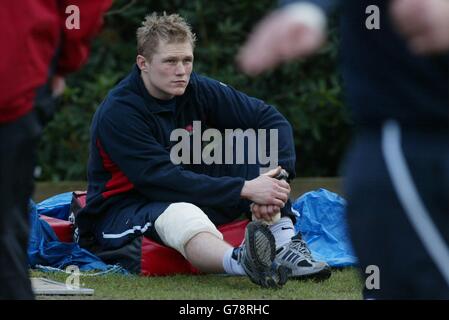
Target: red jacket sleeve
{"x": 75, "y": 43}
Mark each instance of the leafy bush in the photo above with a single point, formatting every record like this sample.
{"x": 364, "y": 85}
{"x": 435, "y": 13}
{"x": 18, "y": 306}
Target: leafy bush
{"x": 308, "y": 93}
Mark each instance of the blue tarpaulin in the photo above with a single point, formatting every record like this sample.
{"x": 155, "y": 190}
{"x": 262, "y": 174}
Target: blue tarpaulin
{"x": 45, "y": 249}
{"x": 57, "y": 206}
{"x": 322, "y": 223}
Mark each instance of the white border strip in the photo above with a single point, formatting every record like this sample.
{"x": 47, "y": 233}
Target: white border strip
{"x": 410, "y": 200}
{"x": 129, "y": 231}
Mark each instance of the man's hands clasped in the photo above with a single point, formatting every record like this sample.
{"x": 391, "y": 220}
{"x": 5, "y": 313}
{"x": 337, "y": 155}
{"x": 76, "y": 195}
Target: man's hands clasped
{"x": 267, "y": 193}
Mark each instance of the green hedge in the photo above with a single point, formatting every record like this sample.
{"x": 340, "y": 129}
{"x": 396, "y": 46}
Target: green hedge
{"x": 308, "y": 94}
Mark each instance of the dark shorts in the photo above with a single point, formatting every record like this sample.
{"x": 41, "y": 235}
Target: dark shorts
{"x": 381, "y": 229}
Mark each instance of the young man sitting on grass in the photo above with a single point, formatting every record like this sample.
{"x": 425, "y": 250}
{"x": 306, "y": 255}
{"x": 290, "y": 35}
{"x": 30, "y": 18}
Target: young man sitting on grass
{"x": 136, "y": 189}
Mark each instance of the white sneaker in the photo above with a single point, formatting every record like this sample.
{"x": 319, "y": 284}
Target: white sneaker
{"x": 297, "y": 257}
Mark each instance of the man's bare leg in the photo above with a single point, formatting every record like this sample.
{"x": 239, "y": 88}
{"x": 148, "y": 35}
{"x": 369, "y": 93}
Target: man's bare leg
{"x": 205, "y": 252}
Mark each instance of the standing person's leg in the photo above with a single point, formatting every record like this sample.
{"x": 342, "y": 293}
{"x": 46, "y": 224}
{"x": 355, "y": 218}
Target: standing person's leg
{"x": 382, "y": 232}
{"x": 371, "y": 217}
{"x": 18, "y": 142}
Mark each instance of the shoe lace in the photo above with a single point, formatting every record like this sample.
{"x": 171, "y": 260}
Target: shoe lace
{"x": 300, "y": 245}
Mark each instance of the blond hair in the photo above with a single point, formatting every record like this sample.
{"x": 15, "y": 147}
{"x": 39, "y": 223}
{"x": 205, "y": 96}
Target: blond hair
{"x": 170, "y": 28}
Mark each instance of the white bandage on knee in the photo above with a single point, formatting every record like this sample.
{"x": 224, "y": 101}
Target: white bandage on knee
{"x": 180, "y": 222}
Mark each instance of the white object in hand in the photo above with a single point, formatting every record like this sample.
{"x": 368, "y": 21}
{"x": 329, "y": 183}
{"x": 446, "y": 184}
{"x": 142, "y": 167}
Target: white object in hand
{"x": 273, "y": 220}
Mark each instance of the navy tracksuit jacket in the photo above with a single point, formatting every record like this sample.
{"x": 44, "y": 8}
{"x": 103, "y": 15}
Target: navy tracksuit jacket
{"x": 130, "y": 167}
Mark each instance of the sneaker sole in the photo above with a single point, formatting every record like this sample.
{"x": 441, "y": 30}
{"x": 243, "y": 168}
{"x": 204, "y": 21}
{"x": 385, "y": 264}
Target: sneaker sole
{"x": 283, "y": 273}
{"x": 264, "y": 258}
{"x": 275, "y": 276}
{"x": 319, "y": 276}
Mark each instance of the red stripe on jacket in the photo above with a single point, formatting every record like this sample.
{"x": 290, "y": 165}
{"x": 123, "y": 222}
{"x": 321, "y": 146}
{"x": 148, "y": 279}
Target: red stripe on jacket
{"x": 119, "y": 183}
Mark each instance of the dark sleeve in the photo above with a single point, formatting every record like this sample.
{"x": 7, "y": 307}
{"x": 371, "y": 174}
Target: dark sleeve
{"x": 128, "y": 141}
{"x": 231, "y": 109}
{"x": 75, "y": 43}
{"x": 326, "y": 5}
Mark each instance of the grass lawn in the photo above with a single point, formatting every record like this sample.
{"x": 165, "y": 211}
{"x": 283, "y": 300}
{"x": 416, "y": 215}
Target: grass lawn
{"x": 344, "y": 284}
